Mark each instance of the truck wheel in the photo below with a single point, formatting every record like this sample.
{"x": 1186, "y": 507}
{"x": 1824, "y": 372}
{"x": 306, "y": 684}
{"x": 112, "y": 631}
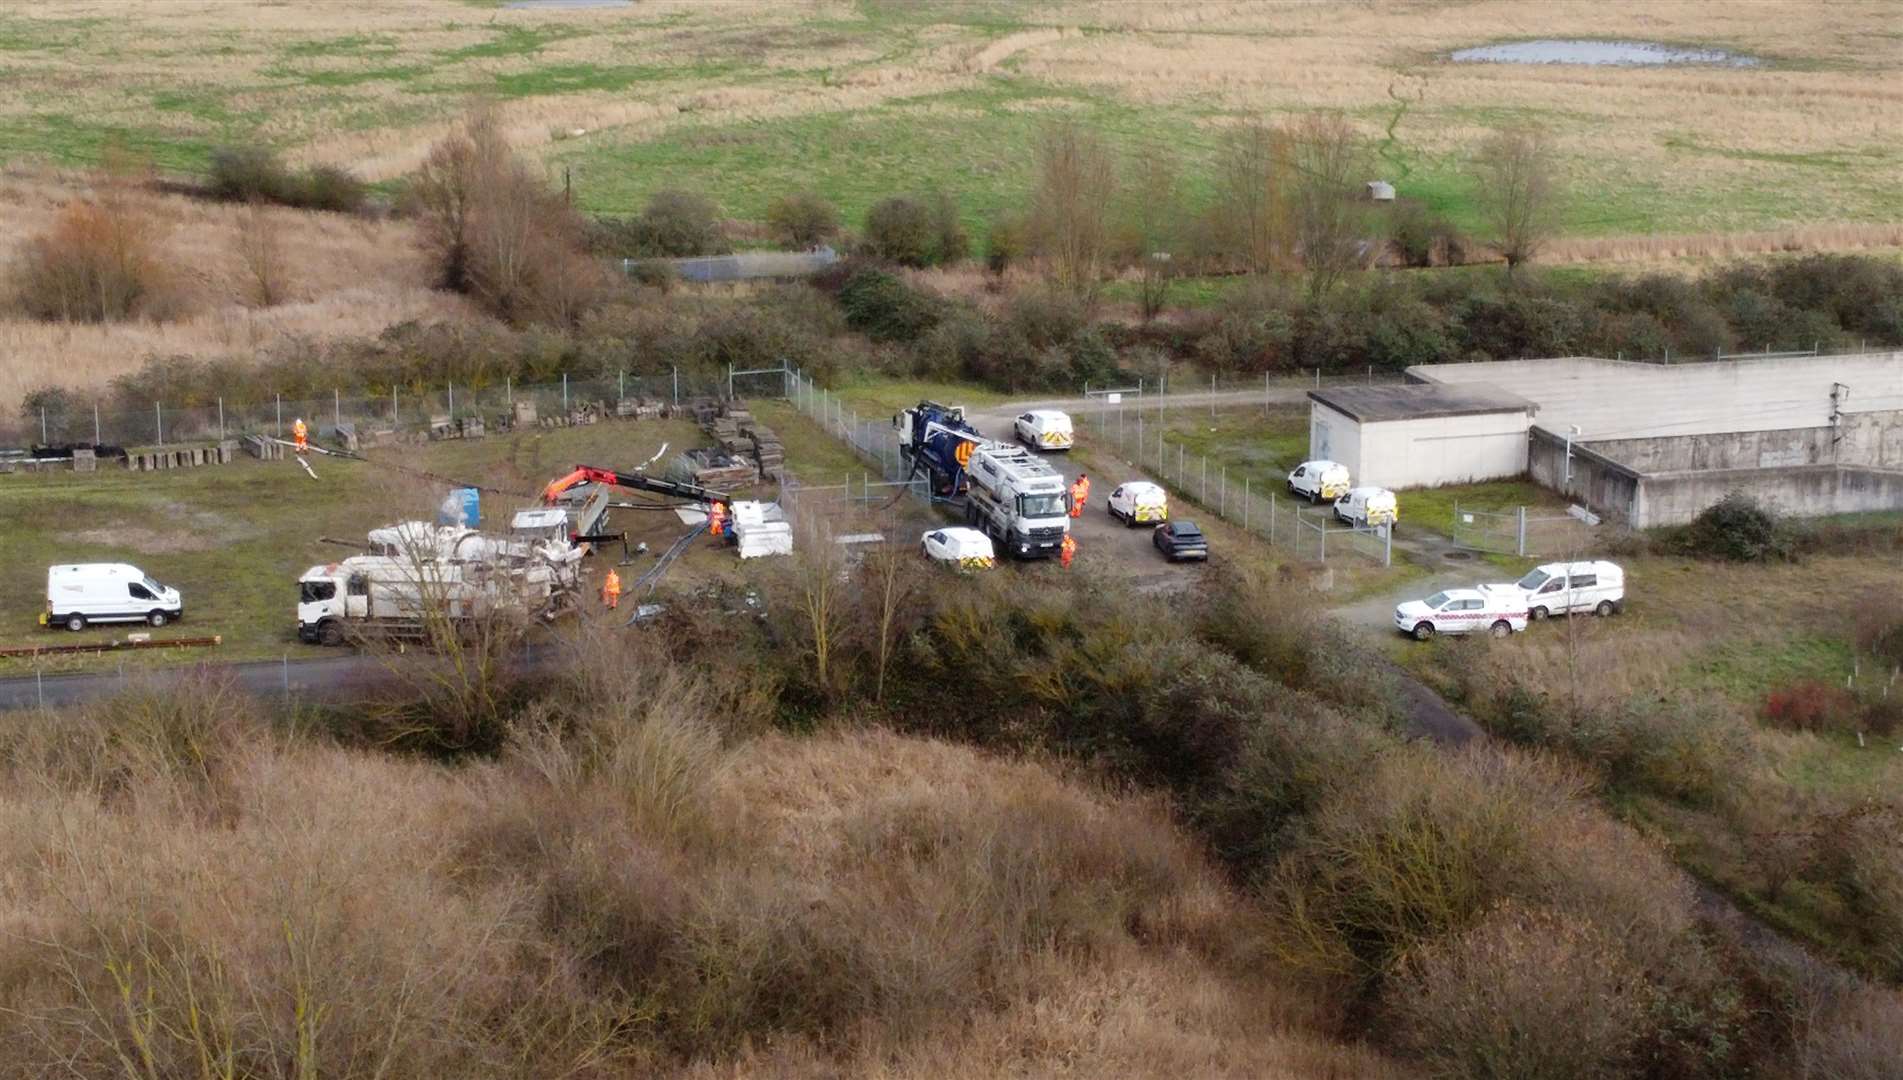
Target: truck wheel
{"x": 1536, "y": 614}
{"x": 75, "y": 623}
{"x": 1604, "y": 609}
{"x": 330, "y": 634}
{"x": 1423, "y": 631}
{"x": 1500, "y": 628}
{"x": 155, "y": 619}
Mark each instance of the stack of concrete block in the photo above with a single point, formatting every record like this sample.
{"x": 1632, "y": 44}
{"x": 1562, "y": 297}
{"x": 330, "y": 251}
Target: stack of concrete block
{"x": 263, "y": 449}
{"x": 767, "y": 449}
{"x": 472, "y": 427}
{"x": 345, "y": 435}
{"x": 441, "y": 428}
{"x": 637, "y": 408}
{"x": 522, "y": 414}
{"x": 85, "y": 461}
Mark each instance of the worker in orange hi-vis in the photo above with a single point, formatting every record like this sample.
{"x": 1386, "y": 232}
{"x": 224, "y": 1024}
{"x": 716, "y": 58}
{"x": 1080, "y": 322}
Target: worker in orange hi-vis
{"x": 716, "y": 519}
{"x": 1079, "y": 494}
{"x": 611, "y": 589}
{"x": 300, "y": 435}
{"x": 1066, "y": 552}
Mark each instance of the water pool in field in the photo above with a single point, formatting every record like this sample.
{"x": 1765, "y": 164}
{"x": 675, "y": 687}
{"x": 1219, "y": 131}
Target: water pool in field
{"x": 1599, "y": 53}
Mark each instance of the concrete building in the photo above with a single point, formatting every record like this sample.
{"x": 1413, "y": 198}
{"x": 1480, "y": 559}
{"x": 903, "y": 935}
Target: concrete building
{"x": 1421, "y": 435}
{"x": 1653, "y": 444}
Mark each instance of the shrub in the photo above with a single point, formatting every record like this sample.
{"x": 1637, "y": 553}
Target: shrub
{"x": 1005, "y": 243}
{"x": 1877, "y": 627}
{"x": 1814, "y": 707}
{"x": 885, "y": 308}
{"x": 1737, "y": 528}
{"x": 802, "y": 220}
{"x": 329, "y": 187}
{"x": 100, "y": 262}
{"x": 248, "y": 173}
{"x": 679, "y": 224}
{"x": 950, "y": 242}
{"x": 1423, "y": 237}
{"x": 1527, "y": 994}
{"x": 901, "y": 230}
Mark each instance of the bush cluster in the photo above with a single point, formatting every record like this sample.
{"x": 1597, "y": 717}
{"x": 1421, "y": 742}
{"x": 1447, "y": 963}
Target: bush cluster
{"x": 1738, "y": 528}
{"x": 256, "y": 174}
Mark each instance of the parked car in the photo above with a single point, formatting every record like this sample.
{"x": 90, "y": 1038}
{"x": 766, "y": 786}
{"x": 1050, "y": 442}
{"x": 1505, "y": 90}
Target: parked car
{"x": 1564, "y": 588}
{"x": 78, "y": 594}
{"x": 1319, "y": 480}
{"x": 1179, "y": 540}
{"x": 1460, "y": 611}
{"x": 965, "y": 548}
{"x": 1139, "y": 502}
{"x": 1365, "y": 507}
{"x": 1044, "y": 429}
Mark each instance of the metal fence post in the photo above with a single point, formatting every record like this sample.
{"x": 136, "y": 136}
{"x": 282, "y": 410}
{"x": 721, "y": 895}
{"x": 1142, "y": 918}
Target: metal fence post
{"x": 336, "y": 408}
{"x": 1323, "y": 530}
{"x": 1387, "y": 549}
{"x": 677, "y": 387}
{"x": 1179, "y": 463}
{"x": 1271, "y": 517}
{"x": 1222, "y": 494}
{"x": 395, "y": 422}
{"x": 1522, "y": 545}
{"x": 1245, "y": 504}
{"x": 221, "y": 419}
{"x": 621, "y": 385}
{"x": 43, "y": 439}
{"x": 280, "y": 431}
{"x": 729, "y": 382}
{"x": 452, "y": 401}
{"x": 1205, "y": 500}
{"x": 159, "y": 412}
{"x": 95, "y": 423}
{"x": 508, "y": 390}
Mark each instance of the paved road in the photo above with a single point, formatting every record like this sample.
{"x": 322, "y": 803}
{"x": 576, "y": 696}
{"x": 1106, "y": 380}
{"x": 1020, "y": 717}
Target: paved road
{"x": 328, "y": 678}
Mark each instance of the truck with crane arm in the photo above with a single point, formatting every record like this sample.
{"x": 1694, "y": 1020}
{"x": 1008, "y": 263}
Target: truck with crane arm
{"x": 1015, "y": 498}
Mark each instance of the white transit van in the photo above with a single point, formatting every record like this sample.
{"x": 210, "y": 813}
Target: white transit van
{"x": 1368, "y": 507}
{"x": 1319, "y": 480}
{"x": 1564, "y": 588}
{"x": 1044, "y": 429}
{"x": 1139, "y": 502}
{"x": 78, "y": 594}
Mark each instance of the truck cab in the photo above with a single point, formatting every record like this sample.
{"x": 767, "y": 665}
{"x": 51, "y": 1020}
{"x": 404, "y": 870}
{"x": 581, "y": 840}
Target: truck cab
{"x": 325, "y": 596}
{"x": 1019, "y": 501}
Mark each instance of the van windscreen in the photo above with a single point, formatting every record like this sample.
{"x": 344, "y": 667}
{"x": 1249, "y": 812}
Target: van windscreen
{"x": 1534, "y": 580}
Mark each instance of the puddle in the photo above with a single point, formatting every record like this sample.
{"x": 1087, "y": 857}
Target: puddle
{"x": 1598, "y": 53}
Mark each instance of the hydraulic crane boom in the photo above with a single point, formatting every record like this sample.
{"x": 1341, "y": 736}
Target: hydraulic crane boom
{"x": 586, "y": 474}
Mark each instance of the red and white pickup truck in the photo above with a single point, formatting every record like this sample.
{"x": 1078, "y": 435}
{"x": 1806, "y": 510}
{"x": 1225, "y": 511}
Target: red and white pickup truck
{"x": 1462, "y": 611}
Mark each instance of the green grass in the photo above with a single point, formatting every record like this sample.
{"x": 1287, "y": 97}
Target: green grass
{"x": 885, "y": 396}
{"x": 1433, "y": 508}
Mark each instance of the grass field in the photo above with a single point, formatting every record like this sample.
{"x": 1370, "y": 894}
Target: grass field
{"x": 857, "y": 100}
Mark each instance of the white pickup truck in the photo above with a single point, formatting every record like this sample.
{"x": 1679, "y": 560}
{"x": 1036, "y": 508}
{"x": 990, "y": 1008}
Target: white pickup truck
{"x": 1461, "y": 611}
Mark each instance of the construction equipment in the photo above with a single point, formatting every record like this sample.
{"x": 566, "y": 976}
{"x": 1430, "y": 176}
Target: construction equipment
{"x": 417, "y": 574}
{"x": 635, "y": 481}
{"x": 937, "y": 439}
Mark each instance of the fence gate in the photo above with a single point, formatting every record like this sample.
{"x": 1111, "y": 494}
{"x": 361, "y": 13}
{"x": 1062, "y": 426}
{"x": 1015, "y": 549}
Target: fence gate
{"x": 1515, "y": 532}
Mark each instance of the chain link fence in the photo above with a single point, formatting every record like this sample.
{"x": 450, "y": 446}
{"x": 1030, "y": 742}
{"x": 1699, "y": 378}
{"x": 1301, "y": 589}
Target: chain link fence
{"x": 112, "y": 422}
{"x": 1518, "y": 532}
{"x": 1308, "y": 531}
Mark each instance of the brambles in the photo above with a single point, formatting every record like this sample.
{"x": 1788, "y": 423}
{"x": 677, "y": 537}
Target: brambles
{"x": 802, "y": 220}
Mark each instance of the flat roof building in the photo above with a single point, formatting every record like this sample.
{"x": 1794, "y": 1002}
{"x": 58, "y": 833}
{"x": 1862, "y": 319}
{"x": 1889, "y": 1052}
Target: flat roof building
{"x": 1421, "y": 435}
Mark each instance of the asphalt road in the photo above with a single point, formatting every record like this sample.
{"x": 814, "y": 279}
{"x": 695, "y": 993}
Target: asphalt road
{"x": 331, "y": 678}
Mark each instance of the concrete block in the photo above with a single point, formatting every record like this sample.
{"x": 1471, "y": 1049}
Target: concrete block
{"x": 523, "y": 412}
{"x": 346, "y": 435}
{"x": 85, "y": 461}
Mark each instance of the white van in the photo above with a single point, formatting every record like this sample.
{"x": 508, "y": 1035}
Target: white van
{"x": 1044, "y": 429}
{"x": 1564, "y": 588}
{"x": 81, "y": 593}
{"x": 1318, "y": 480}
{"x": 1365, "y": 507}
{"x": 1139, "y": 502}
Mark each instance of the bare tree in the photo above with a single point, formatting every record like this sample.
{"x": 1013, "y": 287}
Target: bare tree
{"x": 1152, "y": 225}
{"x": 260, "y": 246}
{"x": 821, "y": 591}
{"x": 1519, "y": 192}
{"x": 1070, "y": 206}
{"x": 1329, "y": 164}
{"x": 1252, "y": 192}
{"x": 889, "y": 580}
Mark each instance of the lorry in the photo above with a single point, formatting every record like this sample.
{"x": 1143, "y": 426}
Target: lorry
{"x": 416, "y": 573}
{"x": 79, "y": 594}
{"x": 937, "y": 440}
{"x": 1019, "y": 501}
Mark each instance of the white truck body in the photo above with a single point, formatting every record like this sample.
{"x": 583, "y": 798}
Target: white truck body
{"x": 1045, "y": 429}
{"x": 415, "y": 570}
{"x": 1139, "y": 502}
{"x": 1319, "y": 481}
{"x": 1368, "y": 507}
{"x": 1461, "y": 611}
{"x": 1017, "y": 500}
{"x": 78, "y": 594}
{"x": 1565, "y": 588}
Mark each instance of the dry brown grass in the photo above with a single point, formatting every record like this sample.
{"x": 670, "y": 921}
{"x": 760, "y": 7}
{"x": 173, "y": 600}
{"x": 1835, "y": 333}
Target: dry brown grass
{"x": 192, "y": 892}
{"x": 342, "y": 276}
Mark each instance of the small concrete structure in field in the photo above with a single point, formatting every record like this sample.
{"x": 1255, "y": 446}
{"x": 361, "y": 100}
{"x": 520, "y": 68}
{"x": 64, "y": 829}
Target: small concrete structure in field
{"x": 1653, "y": 444}
{"x": 1380, "y": 191}
{"x": 1420, "y": 435}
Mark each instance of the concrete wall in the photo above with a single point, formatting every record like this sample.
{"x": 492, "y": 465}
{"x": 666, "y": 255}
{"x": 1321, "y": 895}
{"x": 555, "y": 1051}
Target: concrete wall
{"x": 1803, "y": 491}
{"x": 1868, "y": 439}
{"x": 1611, "y": 489}
{"x": 1612, "y": 399}
{"x": 1425, "y": 452}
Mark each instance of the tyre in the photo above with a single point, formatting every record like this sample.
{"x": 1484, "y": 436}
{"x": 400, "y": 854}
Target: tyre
{"x": 1500, "y": 628}
{"x": 1423, "y": 631}
{"x": 156, "y": 619}
{"x": 1536, "y": 614}
{"x": 331, "y": 634}
{"x": 1604, "y": 609}
{"x": 75, "y": 623}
